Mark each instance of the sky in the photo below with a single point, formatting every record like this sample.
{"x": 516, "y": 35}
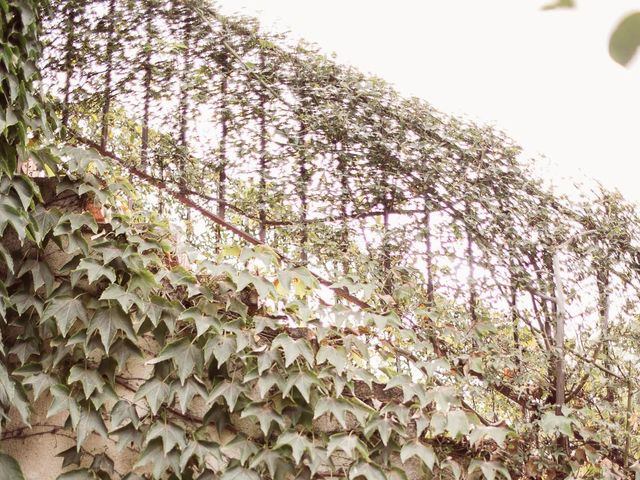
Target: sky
{"x": 544, "y": 77}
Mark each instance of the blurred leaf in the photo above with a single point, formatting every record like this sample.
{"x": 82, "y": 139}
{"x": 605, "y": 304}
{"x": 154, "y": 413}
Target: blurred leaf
{"x": 625, "y": 39}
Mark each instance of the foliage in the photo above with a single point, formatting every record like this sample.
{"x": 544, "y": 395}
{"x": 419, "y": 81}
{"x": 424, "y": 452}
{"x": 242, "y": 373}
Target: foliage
{"x": 435, "y": 349}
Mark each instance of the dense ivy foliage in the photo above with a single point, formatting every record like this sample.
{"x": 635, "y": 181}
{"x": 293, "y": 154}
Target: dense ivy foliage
{"x": 436, "y": 348}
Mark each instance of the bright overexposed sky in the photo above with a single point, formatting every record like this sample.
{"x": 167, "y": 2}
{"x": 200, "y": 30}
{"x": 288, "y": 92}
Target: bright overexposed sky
{"x": 544, "y": 77}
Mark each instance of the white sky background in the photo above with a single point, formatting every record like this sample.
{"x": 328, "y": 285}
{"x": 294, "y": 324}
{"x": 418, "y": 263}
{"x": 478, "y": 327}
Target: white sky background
{"x": 543, "y": 77}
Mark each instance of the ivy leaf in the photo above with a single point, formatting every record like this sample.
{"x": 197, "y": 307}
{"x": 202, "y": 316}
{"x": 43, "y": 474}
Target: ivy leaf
{"x": 383, "y": 426}
{"x": 265, "y": 382}
{"x": 457, "y": 423}
{"x": 239, "y": 473}
{"x": 8, "y": 259}
{"x": 229, "y": 391}
{"x": 552, "y": 423}
{"x": 90, "y": 422}
{"x": 125, "y": 299}
{"x": 335, "y": 356}
{"x": 39, "y": 383}
{"x": 296, "y": 441}
{"x": 40, "y": 273}
{"x": 203, "y": 322}
{"x": 155, "y": 391}
{"x": 265, "y": 415}
{"x": 221, "y": 347}
{"x": 417, "y": 449}
{"x": 268, "y": 457}
{"x": 339, "y": 409}
{"x": 108, "y": 321}
{"x": 154, "y": 454}
{"x": 240, "y": 448}
{"x": 366, "y": 470}
{"x": 497, "y": 434}
{"x": 170, "y": 434}
{"x": 122, "y": 411}
{"x": 95, "y": 271}
{"x": 9, "y": 468}
{"x": 203, "y": 451}
{"x": 185, "y": 355}
{"x": 303, "y": 382}
{"x": 127, "y": 435}
{"x": 142, "y": 281}
{"x": 348, "y": 443}
{"x": 10, "y": 215}
{"x": 80, "y": 474}
{"x": 489, "y": 469}
{"x": 89, "y": 378}
{"x": 185, "y": 393}
{"x": 70, "y": 222}
{"x": 65, "y": 310}
{"x": 25, "y": 189}
{"x": 293, "y": 349}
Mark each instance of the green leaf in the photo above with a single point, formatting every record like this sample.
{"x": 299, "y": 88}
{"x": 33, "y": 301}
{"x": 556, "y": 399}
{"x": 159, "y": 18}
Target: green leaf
{"x": 625, "y": 39}
{"x": 489, "y": 469}
{"x": 10, "y": 215}
{"x": 203, "y": 322}
{"x": 296, "y": 441}
{"x": 25, "y": 189}
{"x": 457, "y": 423}
{"x": 108, "y": 322}
{"x": 65, "y": 310}
{"x": 335, "y": 356}
{"x": 185, "y": 393}
{"x": 497, "y": 434}
{"x": 229, "y": 391}
{"x": 269, "y": 458}
{"x": 154, "y": 455}
{"x": 265, "y": 382}
{"x": 155, "y": 391}
{"x": 417, "y": 449}
{"x": 293, "y": 349}
{"x": 95, "y": 271}
{"x": 40, "y": 273}
{"x": 265, "y": 415}
{"x": 81, "y": 474}
{"x": 239, "y": 473}
{"x": 122, "y": 412}
{"x": 366, "y": 470}
{"x": 70, "y": 222}
{"x": 8, "y": 259}
{"x": 185, "y": 355}
{"x": 559, "y": 4}
{"x": 303, "y": 382}
{"x": 221, "y": 347}
{"x": 9, "y": 468}
{"x": 339, "y": 409}
{"x": 552, "y": 423}
{"x": 39, "y": 383}
{"x": 90, "y": 422}
{"x": 89, "y": 378}
{"x": 125, "y": 299}
{"x": 349, "y": 443}
{"x": 170, "y": 434}
{"x": 127, "y": 435}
